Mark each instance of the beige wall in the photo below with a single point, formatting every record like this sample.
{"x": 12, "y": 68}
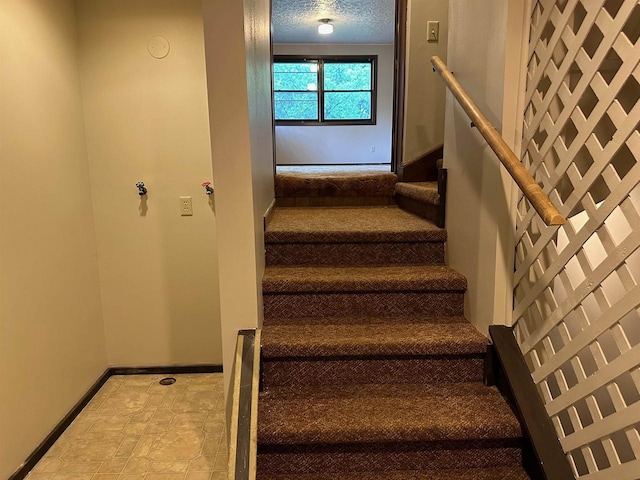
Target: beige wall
{"x": 479, "y": 196}
{"x": 146, "y": 119}
{"x": 52, "y": 346}
{"x": 425, "y": 92}
{"x": 345, "y": 143}
{"x": 257, "y": 32}
{"x": 238, "y": 77}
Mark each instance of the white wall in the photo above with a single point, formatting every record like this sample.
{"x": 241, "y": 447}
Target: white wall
{"x": 146, "y": 119}
{"x": 424, "y": 90}
{"x": 341, "y": 144}
{"x": 479, "y": 195}
{"x": 52, "y": 346}
{"x": 239, "y": 84}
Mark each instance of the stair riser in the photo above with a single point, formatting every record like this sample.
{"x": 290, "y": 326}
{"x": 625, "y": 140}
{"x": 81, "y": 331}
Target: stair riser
{"x": 505, "y": 473}
{"x": 425, "y": 210}
{"x": 333, "y": 201}
{"x": 385, "y": 457}
{"x": 352, "y": 254}
{"x": 379, "y": 304}
{"x": 358, "y": 320}
{"x": 380, "y": 184}
{"x": 294, "y": 373}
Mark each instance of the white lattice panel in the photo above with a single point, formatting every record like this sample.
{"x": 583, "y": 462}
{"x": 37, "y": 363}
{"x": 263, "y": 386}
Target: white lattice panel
{"x": 577, "y": 287}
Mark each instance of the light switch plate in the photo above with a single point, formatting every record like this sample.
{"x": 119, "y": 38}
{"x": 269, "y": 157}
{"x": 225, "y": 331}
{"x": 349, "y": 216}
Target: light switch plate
{"x": 433, "y": 31}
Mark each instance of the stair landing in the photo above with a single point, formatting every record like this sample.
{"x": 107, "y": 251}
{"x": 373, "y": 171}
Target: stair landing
{"x": 334, "y": 186}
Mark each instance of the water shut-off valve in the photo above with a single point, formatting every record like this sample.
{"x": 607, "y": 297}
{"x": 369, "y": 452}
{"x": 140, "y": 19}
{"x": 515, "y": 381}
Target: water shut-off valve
{"x": 207, "y": 188}
{"x": 142, "y": 190}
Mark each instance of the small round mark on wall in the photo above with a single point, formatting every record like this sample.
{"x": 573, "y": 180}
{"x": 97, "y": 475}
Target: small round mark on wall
{"x": 158, "y": 46}
{"x": 167, "y": 381}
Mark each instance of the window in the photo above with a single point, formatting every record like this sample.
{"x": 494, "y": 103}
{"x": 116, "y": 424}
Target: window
{"x": 324, "y": 90}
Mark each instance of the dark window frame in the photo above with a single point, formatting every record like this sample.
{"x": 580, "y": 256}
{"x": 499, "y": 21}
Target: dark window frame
{"x": 321, "y": 60}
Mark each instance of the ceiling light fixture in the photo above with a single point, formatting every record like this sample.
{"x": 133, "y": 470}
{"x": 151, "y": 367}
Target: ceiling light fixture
{"x": 325, "y": 28}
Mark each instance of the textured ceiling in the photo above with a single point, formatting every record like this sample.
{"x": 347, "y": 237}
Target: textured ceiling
{"x": 354, "y": 21}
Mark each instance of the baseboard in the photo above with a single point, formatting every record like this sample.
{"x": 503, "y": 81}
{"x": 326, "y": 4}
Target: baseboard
{"x": 507, "y": 369}
{"x": 335, "y": 165}
{"x": 174, "y": 369}
{"x": 59, "y": 429}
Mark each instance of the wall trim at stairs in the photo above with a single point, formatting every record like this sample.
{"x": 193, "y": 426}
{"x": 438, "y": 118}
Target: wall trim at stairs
{"x": 424, "y": 167}
{"x": 268, "y": 215}
{"x": 242, "y": 406}
{"x": 507, "y": 369}
{"x": 59, "y": 429}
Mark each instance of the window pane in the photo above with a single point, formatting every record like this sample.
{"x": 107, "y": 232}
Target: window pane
{"x": 347, "y": 76}
{"x": 296, "y": 106}
{"x": 347, "y": 106}
{"x": 295, "y": 76}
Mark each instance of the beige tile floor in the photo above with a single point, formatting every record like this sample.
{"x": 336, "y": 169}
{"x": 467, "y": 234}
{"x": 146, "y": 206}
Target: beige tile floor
{"x": 135, "y": 429}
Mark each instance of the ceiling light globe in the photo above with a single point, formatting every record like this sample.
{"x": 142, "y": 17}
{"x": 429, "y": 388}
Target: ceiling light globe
{"x": 325, "y": 29}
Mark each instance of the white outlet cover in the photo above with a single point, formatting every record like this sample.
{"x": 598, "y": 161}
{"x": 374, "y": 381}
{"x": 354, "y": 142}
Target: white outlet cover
{"x": 186, "y": 206}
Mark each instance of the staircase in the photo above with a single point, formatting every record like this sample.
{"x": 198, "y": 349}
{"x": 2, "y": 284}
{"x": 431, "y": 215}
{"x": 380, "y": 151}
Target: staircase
{"x": 369, "y": 369}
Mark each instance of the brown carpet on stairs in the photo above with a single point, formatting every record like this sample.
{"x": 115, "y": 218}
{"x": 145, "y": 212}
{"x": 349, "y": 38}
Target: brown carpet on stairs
{"x": 335, "y": 184}
{"x": 350, "y": 225}
{"x": 352, "y": 236}
{"x": 388, "y": 278}
{"x": 363, "y": 320}
{"x": 379, "y": 458}
{"x": 372, "y": 339}
{"x": 393, "y": 304}
{"x": 338, "y": 371}
{"x": 426, "y": 192}
{"x": 468, "y": 474}
{"x": 384, "y": 253}
{"x": 453, "y": 474}
{"x": 369, "y": 369}
{"x": 403, "y": 413}
{"x": 420, "y": 198}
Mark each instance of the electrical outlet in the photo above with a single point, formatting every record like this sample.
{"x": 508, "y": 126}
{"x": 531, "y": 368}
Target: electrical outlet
{"x": 433, "y": 31}
{"x": 186, "y": 207}
{"x": 373, "y": 149}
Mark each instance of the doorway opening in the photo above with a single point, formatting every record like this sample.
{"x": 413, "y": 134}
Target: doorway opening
{"x": 338, "y": 95}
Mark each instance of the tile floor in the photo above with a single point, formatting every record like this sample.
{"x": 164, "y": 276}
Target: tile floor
{"x": 135, "y": 429}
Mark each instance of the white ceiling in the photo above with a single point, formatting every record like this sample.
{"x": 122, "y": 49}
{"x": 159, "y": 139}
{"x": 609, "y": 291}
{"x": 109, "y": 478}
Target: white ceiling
{"x": 354, "y": 21}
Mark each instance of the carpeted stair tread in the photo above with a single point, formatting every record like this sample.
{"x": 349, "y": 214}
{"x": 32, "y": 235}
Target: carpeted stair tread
{"x": 385, "y": 414}
{"x": 368, "y": 368}
{"x": 356, "y": 225}
{"x": 335, "y": 184}
{"x": 424, "y": 192}
{"x": 372, "y": 340}
{"x": 395, "y": 278}
{"x": 512, "y": 473}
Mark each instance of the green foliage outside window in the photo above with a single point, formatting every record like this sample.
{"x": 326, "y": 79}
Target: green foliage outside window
{"x": 320, "y": 90}
{"x": 295, "y": 90}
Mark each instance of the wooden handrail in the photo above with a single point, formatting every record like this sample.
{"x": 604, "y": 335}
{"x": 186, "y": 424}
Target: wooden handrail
{"x": 540, "y": 201}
